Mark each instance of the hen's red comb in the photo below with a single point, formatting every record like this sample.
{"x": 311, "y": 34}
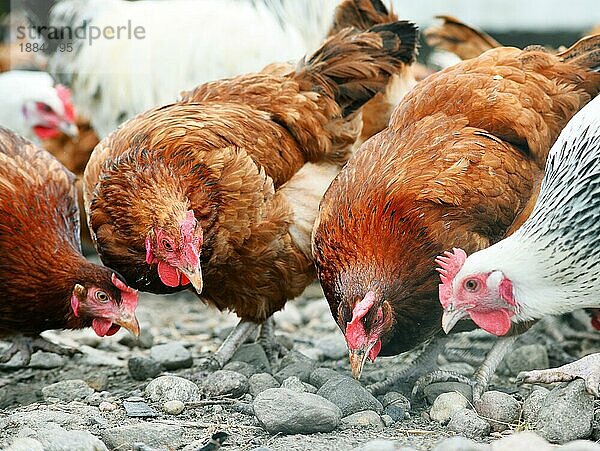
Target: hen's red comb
{"x": 450, "y": 264}
{"x": 129, "y": 296}
{"x": 355, "y": 331}
{"x": 64, "y": 94}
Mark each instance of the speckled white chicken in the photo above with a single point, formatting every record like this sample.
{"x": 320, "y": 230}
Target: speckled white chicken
{"x": 550, "y": 265}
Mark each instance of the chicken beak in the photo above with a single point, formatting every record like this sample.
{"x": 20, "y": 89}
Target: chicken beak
{"x": 357, "y": 361}
{"x": 69, "y": 129}
{"x": 129, "y": 322}
{"x": 452, "y": 316}
{"x": 195, "y": 276}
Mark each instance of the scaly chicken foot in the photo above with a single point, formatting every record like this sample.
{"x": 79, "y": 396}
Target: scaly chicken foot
{"x": 586, "y": 368}
{"x": 266, "y": 338}
{"x": 424, "y": 363}
{"x": 481, "y": 379}
{"x": 234, "y": 340}
{"x": 27, "y": 345}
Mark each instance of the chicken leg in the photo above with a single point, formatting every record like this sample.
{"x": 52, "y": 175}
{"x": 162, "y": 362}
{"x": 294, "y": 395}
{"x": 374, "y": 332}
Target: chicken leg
{"x": 26, "y": 345}
{"x": 234, "y": 340}
{"x": 267, "y": 340}
{"x": 586, "y": 368}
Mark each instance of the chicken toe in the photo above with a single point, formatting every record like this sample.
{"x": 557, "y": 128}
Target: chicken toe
{"x": 27, "y": 345}
{"x": 586, "y": 368}
{"x": 267, "y": 340}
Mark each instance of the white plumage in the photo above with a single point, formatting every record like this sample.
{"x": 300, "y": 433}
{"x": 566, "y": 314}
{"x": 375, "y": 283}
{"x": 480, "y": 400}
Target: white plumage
{"x": 187, "y": 42}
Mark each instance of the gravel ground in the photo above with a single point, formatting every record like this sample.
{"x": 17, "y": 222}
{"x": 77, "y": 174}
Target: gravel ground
{"x": 157, "y": 393}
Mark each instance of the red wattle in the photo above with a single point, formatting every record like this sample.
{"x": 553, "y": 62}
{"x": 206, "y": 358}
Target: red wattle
{"x": 168, "y": 275}
{"x": 496, "y": 322}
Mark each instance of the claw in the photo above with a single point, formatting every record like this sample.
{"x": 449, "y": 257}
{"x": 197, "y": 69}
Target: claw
{"x": 439, "y": 376}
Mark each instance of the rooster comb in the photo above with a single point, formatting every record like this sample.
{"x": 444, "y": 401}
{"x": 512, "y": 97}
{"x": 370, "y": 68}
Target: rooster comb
{"x": 449, "y": 266}
{"x": 129, "y": 296}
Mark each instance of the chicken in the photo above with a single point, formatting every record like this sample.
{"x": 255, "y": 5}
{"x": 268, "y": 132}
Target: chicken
{"x": 221, "y": 189}
{"x": 456, "y": 37}
{"x": 363, "y": 14}
{"x": 33, "y": 106}
{"x": 459, "y": 160}
{"x": 45, "y": 281}
{"x": 115, "y": 79}
{"x": 549, "y": 266}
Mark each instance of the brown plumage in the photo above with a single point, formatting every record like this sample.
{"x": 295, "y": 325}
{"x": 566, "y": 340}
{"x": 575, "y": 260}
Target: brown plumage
{"x": 458, "y": 162}
{"x": 454, "y": 36}
{"x": 364, "y": 14}
{"x": 251, "y": 157}
{"x": 41, "y": 264}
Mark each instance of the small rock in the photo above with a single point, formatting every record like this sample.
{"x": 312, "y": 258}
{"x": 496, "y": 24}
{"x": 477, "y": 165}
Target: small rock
{"x": 578, "y": 445}
{"x": 387, "y": 420}
{"x": 309, "y": 388}
{"x": 285, "y": 411}
{"x": 151, "y": 434}
{"x": 526, "y": 358}
{"x": 172, "y": 356}
{"x": 525, "y": 440}
{"x": 365, "y": 418}
{"x": 293, "y": 357}
{"x": 46, "y": 360}
{"x": 395, "y": 412}
{"x": 349, "y": 396}
{"x": 144, "y": 341}
{"x": 321, "y": 375}
{"x": 173, "y": 407}
{"x": 432, "y": 391}
{"x": 377, "y": 445}
{"x": 301, "y": 370}
{"x": 241, "y": 367}
{"x": 260, "y": 382}
{"x": 533, "y": 404}
{"x": 567, "y": 413}
{"x": 333, "y": 346}
{"x": 466, "y": 422}
{"x": 142, "y": 368}
{"x": 98, "y": 382}
{"x": 458, "y": 367}
{"x": 138, "y": 409}
{"x": 106, "y": 406}
{"x": 55, "y": 438}
{"x": 460, "y": 444}
{"x": 98, "y": 357}
{"x": 397, "y": 399}
{"x": 254, "y": 354}
{"x": 25, "y": 444}
{"x": 225, "y": 382}
{"x": 500, "y": 409}
{"x": 168, "y": 388}
{"x": 293, "y": 383}
{"x": 67, "y": 391}
{"x": 445, "y": 405}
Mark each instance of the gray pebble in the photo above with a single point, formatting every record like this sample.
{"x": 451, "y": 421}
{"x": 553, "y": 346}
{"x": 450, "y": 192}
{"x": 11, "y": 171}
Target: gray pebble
{"x": 533, "y": 404}
{"x": 460, "y": 444}
{"x": 309, "y": 388}
{"x": 285, "y": 411}
{"x": 260, "y": 382}
{"x": 397, "y": 399}
{"x": 138, "y": 409}
{"x": 366, "y": 418}
{"x": 567, "y": 413}
{"x": 25, "y": 444}
{"x": 395, "y": 412}
{"x": 526, "y": 440}
{"x": 69, "y": 390}
{"x": 432, "y": 391}
{"x": 526, "y": 358}
{"x": 254, "y": 354}
{"x": 168, "y": 388}
{"x": 500, "y": 409}
{"x": 445, "y": 405}
{"x": 377, "y": 445}
{"x": 55, "y": 438}
{"x": 241, "y": 367}
{"x": 387, "y": 420}
{"x": 293, "y": 383}
{"x": 294, "y": 357}
{"x": 151, "y": 434}
{"x": 466, "y": 422}
{"x": 349, "y": 396}
{"x": 225, "y": 382}
{"x": 173, "y": 407}
{"x": 172, "y": 356}
{"x": 332, "y": 346}
{"x": 142, "y": 368}
{"x": 321, "y": 375}
{"x": 46, "y": 360}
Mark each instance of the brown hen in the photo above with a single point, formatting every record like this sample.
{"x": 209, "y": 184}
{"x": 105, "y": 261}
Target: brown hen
{"x": 221, "y": 189}
{"x": 458, "y": 162}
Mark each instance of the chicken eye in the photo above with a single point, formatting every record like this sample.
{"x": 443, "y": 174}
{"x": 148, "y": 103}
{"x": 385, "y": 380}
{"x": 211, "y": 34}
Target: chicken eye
{"x": 471, "y": 285}
{"x": 167, "y": 245}
{"x": 101, "y": 296}
{"x": 44, "y": 107}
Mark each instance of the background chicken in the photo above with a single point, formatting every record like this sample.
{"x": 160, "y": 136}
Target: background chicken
{"x": 34, "y": 106}
{"x": 45, "y": 281}
{"x": 457, "y": 163}
{"x": 549, "y": 265}
{"x": 222, "y": 188}
{"x": 113, "y": 80}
